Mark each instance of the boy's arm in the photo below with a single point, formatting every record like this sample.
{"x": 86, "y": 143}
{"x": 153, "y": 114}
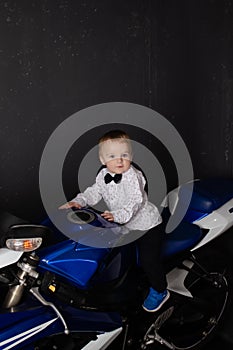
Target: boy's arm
{"x": 70, "y": 205}
{"x": 90, "y": 196}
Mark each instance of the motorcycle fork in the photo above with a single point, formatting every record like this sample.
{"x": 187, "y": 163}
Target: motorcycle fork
{"x": 27, "y": 268}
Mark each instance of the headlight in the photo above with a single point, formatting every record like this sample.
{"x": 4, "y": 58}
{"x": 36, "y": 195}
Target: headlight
{"x": 23, "y": 244}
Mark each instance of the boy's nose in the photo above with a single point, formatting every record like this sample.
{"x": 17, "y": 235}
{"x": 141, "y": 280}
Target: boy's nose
{"x": 119, "y": 160}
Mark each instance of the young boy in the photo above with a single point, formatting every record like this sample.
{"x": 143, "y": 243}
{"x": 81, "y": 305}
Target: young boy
{"x": 121, "y": 186}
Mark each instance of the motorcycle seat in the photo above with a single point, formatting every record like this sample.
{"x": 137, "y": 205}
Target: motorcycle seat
{"x": 184, "y": 237}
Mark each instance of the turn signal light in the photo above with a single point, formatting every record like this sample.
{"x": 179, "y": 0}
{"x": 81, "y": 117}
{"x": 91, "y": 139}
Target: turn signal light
{"x": 24, "y": 244}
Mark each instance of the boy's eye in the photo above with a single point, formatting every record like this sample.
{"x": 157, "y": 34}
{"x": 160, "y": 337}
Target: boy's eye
{"x": 111, "y": 156}
{"x": 125, "y": 155}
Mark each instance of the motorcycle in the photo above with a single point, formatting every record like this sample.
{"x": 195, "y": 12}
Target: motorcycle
{"x": 60, "y": 293}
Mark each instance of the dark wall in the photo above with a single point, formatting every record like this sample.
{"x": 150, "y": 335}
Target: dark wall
{"x": 192, "y": 72}
{"x": 58, "y": 57}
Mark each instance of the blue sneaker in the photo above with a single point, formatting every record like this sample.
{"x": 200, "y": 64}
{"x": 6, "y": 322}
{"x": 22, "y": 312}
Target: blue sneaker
{"x": 155, "y": 300}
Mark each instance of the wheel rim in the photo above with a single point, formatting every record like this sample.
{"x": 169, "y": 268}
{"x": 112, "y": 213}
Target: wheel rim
{"x": 193, "y": 321}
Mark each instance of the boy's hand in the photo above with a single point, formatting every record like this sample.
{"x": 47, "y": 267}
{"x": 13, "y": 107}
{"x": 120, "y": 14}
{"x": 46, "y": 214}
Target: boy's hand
{"x": 107, "y": 215}
{"x": 70, "y": 205}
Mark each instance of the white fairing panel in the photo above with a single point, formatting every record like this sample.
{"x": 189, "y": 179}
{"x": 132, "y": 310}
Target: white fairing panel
{"x": 217, "y": 222}
{"x": 103, "y": 340}
{"x": 176, "y": 278}
{"x": 171, "y": 200}
{"x": 8, "y": 257}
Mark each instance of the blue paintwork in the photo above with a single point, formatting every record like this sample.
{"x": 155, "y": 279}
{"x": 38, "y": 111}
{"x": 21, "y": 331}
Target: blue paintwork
{"x": 92, "y": 321}
{"x": 193, "y": 215}
{"x": 31, "y": 314}
{"x": 25, "y": 318}
{"x": 208, "y": 195}
{"x": 78, "y": 263}
{"x": 73, "y": 261}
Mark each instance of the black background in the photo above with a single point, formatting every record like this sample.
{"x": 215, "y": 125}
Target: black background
{"x": 58, "y": 57}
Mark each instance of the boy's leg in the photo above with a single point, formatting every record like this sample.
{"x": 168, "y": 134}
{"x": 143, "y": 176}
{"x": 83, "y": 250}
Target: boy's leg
{"x": 149, "y": 253}
{"x": 150, "y": 245}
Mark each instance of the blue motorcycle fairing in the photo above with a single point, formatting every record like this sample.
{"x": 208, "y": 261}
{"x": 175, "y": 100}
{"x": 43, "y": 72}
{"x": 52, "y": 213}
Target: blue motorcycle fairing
{"x": 91, "y": 321}
{"x": 30, "y": 321}
{"x": 193, "y": 215}
{"x": 78, "y": 263}
{"x": 207, "y": 196}
{"x": 26, "y": 324}
{"x": 72, "y": 260}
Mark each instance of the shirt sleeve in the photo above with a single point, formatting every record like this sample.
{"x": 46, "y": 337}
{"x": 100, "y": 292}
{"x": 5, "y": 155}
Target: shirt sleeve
{"x": 91, "y": 196}
{"x": 135, "y": 199}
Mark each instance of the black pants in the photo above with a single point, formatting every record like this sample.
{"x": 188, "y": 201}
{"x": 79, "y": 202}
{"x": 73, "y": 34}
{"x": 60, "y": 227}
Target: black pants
{"x": 150, "y": 245}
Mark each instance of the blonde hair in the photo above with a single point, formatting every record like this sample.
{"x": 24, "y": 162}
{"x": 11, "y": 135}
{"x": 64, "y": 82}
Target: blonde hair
{"x": 114, "y": 134}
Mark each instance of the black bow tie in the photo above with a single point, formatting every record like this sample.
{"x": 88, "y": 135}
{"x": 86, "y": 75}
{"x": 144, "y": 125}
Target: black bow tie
{"x": 116, "y": 178}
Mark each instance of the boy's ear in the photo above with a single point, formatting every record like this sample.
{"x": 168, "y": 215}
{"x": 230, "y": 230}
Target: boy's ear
{"x": 101, "y": 159}
{"x": 131, "y": 157}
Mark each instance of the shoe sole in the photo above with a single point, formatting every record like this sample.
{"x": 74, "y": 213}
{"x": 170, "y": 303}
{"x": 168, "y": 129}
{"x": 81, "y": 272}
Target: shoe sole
{"x": 160, "y": 305}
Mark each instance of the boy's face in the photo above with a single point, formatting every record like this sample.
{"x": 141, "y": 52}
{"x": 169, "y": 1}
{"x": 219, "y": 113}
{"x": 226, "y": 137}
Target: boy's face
{"x": 116, "y": 155}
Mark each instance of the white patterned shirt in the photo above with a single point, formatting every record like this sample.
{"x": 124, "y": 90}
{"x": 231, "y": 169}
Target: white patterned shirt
{"x": 127, "y": 200}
